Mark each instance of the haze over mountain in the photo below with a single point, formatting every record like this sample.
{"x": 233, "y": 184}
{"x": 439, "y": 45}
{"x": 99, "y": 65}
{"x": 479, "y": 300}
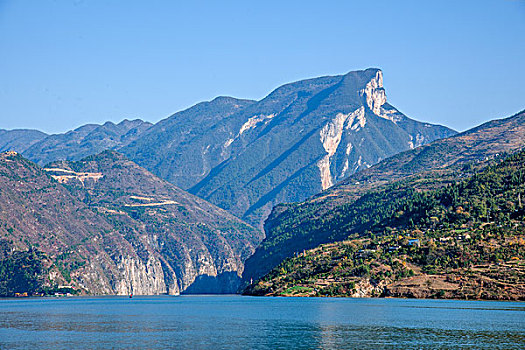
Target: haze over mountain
{"x": 19, "y": 139}
{"x": 346, "y": 208}
{"x": 108, "y": 226}
{"x": 247, "y": 156}
{"x": 84, "y": 141}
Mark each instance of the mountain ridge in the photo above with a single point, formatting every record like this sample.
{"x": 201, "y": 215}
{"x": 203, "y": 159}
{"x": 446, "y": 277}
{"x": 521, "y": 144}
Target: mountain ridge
{"x": 462, "y": 241}
{"x": 246, "y": 156}
{"x": 277, "y": 151}
{"x": 19, "y": 139}
{"x": 297, "y": 226}
{"x": 85, "y": 140}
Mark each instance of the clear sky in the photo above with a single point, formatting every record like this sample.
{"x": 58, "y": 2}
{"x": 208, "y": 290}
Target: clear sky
{"x": 64, "y": 63}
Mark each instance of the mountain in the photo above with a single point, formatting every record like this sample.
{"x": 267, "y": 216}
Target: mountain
{"x": 37, "y": 213}
{"x": 186, "y": 146}
{"x": 19, "y": 139}
{"x": 355, "y": 204}
{"x": 247, "y": 156}
{"x": 104, "y": 225}
{"x": 465, "y": 240}
{"x": 84, "y": 141}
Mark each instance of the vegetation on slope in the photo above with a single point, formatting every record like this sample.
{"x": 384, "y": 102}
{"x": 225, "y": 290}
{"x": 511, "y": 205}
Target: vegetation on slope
{"x": 23, "y": 273}
{"x": 107, "y": 226}
{"x": 465, "y": 240}
{"x": 352, "y": 206}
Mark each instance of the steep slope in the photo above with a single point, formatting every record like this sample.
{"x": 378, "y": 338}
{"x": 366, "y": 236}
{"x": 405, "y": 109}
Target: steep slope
{"x": 300, "y": 139}
{"x": 186, "y": 146}
{"x": 338, "y": 212}
{"x": 466, "y": 240}
{"x": 203, "y": 245}
{"x": 247, "y": 156}
{"x": 37, "y": 212}
{"x": 19, "y": 140}
{"x": 107, "y": 226}
{"x": 85, "y": 141}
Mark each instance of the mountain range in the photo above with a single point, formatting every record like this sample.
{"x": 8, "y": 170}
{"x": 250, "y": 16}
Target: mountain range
{"x": 180, "y": 206}
{"x": 247, "y": 156}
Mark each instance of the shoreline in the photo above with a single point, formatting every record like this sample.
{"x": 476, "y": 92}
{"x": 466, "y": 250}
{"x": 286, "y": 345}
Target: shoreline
{"x": 106, "y": 296}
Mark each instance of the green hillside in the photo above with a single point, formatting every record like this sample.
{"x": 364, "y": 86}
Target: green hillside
{"x": 463, "y": 240}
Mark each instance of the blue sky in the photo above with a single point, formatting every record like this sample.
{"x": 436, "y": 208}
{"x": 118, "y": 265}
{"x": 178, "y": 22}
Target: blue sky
{"x": 67, "y": 63}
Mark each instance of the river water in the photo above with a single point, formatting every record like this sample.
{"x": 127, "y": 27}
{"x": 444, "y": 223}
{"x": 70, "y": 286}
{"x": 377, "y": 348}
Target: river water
{"x": 237, "y": 322}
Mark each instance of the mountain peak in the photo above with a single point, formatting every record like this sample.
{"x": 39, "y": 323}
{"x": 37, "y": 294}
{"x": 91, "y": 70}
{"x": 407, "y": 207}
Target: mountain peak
{"x": 229, "y": 100}
{"x": 371, "y": 71}
{"x": 374, "y": 93}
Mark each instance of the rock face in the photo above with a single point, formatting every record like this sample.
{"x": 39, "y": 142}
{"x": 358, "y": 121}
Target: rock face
{"x": 108, "y": 226}
{"x": 294, "y": 227}
{"x": 247, "y": 156}
{"x": 85, "y": 141}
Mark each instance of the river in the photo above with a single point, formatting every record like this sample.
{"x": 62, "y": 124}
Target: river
{"x": 240, "y": 322}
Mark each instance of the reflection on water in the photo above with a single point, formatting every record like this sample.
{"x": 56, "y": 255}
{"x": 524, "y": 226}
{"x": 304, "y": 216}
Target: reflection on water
{"x": 234, "y": 322}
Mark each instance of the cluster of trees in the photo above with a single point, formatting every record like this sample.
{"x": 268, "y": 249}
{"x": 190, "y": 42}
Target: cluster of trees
{"x": 21, "y": 272}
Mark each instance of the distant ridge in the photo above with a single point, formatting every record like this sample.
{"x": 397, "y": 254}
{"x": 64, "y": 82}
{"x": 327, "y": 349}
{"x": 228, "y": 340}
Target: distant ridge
{"x": 19, "y": 139}
{"x": 86, "y": 140}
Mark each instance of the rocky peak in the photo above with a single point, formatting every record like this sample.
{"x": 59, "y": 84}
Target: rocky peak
{"x": 374, "y": 93}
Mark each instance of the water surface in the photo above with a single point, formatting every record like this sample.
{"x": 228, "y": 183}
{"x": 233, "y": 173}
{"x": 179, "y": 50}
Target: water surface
{"x": 236, "y": 322}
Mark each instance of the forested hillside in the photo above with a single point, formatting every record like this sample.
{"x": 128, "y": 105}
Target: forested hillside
{"x": 463, "y": 240}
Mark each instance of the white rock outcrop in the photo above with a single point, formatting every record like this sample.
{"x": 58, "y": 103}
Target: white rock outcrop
{"x": 330, "y": 137}
{"x": 374, "y": 93}
{"x": 375, "y": 97}
{"x": 253, "y": 121}
{"x": 142, "y": 278}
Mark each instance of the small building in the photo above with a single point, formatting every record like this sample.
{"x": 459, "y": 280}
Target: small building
{"x": 463, "y": 237}
{"x": 365, "y": 253}
{"x": 414, "y": 242}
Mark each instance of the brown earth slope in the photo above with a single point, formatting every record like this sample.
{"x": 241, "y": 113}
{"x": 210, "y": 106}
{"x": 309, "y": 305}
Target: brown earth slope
{"x": 107, "y": 226}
